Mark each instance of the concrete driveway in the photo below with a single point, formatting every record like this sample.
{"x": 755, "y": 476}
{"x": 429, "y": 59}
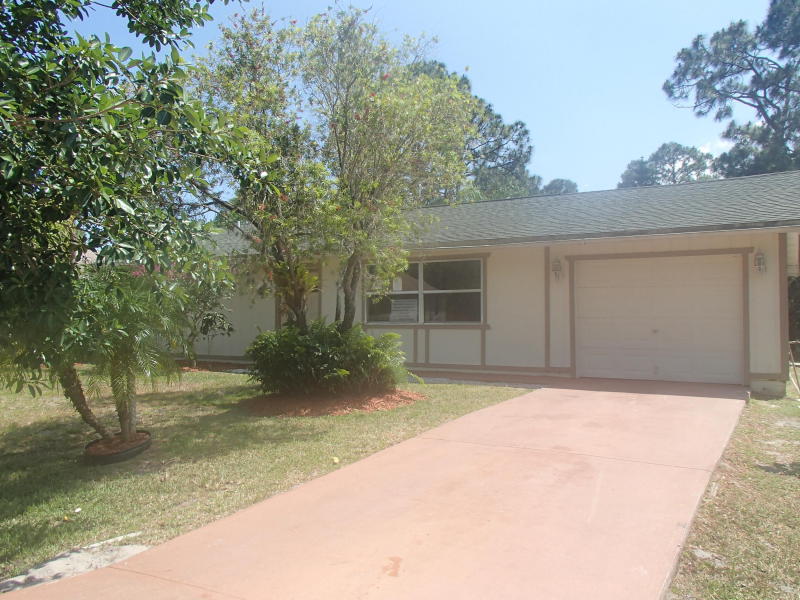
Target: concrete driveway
{"x": 581, "y": 490}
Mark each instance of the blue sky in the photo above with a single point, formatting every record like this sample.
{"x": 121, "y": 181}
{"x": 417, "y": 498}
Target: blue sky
{"x": 584, "y": 75}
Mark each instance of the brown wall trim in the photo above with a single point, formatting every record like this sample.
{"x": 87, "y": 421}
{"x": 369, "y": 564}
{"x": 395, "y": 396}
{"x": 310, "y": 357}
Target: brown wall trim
{"x": 572, "y": 352}
{"x": 427, "y": 346}
{"x": 443, "y": 326}
{"x": 783, "y": 290}
{"x": 746, "y": 319}
{"x": 767, "y": 376}
{"x": 547, "y": 306}
{"x": 414, "y": 342}
{"x": 220, "y": 358}
{"x": 484, "y": 310}
{"x": 417, "y": 256}
{"x": 744, "y": 251}
{"x": 662, "y": 254}
{"x": 487, "y": 368}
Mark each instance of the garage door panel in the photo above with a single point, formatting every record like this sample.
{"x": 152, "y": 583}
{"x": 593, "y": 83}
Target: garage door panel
{"x": 597, "y": 333}
{"x": 660, "y": 318}
{"x": 629, "y": 365}
{"x": 604, "y": 301}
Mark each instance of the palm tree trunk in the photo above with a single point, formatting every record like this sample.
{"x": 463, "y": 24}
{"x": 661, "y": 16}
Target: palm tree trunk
{"x": 73, "y": 391}
{"x": 124, "y": 390}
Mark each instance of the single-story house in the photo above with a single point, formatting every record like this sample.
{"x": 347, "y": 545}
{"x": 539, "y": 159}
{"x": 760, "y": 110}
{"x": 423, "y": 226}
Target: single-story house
{"x": 684, "y": 282}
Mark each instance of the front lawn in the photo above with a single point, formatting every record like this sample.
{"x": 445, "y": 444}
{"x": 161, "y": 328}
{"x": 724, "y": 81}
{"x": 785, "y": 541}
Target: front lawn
{"x": 745, "y": 542}
{"x": 209, "y": 458}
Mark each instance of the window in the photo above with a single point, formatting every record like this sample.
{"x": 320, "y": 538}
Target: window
{"x": 448, "y": 291}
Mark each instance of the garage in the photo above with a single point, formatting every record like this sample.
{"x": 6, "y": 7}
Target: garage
{"x": 677, "y": 318}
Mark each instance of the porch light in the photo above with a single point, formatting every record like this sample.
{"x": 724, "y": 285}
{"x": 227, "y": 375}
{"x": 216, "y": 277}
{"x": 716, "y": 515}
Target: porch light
{"x": 555, "y": 266}
{"x": 759, "y": 262}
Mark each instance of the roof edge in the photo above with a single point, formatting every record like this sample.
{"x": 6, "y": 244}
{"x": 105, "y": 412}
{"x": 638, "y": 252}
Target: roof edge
{"x": 765, "y": 225}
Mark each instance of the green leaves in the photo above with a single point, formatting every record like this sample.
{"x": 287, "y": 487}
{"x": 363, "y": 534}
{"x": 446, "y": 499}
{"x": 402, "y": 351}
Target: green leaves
{"x": 163, "y": 117}
{"x": 757, "y": 69}
{"x": 93, "y": 163}
{"x": 119, "y": 202}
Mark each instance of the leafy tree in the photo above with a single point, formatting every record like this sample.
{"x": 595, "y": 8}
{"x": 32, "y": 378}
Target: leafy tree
{"x": 638, "y": 173}
{"x": 758, "y": 69}
{"x": 392, "y": 137}
{"x": 671, "y": 163}
{"x": 560, "y": 186}
{"x": 498, "y": 153}
{"x": 249, "y": 75}
{"x": 96, "y": 153}
{"x": 204, "y": 286}
{"x": 675, "y": 163}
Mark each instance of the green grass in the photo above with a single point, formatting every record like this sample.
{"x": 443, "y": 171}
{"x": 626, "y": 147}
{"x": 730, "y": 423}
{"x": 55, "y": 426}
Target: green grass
{"x": 749, "y": 520}
{"x": 208, "y": 460}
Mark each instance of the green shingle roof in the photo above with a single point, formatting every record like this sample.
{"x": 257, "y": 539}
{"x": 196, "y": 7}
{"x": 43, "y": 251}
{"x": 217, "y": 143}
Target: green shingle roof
{"x": 228, "y": 242}
{"x": 727, "y": 204}
{"x": 759, "y": 201}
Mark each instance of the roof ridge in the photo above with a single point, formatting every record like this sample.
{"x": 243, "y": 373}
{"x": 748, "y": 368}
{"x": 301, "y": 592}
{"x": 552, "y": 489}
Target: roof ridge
{"x": 647, "y": 187}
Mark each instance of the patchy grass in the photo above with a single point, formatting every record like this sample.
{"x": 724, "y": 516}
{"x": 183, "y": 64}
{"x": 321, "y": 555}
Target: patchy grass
{"x": 209, "y": 458}
{"x": 745, "y": 542}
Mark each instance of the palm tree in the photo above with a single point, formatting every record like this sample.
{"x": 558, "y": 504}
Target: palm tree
{"x": 136, "y": 323}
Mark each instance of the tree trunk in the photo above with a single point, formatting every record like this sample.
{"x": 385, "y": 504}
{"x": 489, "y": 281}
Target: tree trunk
{"x": 73, "y": 390}
{"x": 338, "y": 314}
{"x": 123, "y": 388}
{"x": 128, "y": 425}
{"x": 350, "y": 280}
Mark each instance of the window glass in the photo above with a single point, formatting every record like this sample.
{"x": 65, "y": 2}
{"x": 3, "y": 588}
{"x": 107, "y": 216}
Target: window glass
{"x": 394, "y": 308}
{"x": 452, "y": 275}
{"x": 458, "y": 307}
{"x": 408, "y": 280}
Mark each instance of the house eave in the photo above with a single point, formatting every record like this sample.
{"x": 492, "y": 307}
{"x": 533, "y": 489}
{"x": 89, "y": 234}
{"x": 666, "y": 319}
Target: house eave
{"x": 585, "y": 237}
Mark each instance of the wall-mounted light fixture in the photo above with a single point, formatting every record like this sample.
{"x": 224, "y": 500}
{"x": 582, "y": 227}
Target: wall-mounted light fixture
{"x": 759, "y": 262}
{"x": 555, "y": 266}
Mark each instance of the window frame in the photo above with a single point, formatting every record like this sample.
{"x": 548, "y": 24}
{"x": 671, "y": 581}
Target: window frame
{"x": 420, "y": 294}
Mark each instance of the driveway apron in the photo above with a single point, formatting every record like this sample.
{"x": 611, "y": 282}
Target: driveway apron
{"x": 583, "y": 489}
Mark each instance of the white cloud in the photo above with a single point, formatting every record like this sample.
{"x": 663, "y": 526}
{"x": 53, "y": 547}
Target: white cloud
{"x": 716, "y": 147}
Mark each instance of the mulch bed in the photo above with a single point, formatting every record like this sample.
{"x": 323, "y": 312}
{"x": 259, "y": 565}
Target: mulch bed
{"x": 115, "y": 445}
{"x": 287, "y": 405}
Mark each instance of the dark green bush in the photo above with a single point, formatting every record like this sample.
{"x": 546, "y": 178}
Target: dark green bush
{"x": 325, "y": 359}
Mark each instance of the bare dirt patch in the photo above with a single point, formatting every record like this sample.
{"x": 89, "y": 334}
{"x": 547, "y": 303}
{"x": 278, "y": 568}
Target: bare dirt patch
{"x": 289, "y": 405}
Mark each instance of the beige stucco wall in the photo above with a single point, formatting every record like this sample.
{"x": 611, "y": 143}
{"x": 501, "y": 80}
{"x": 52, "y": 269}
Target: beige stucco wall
{"x": 513, "y": 338}
{"x": 515, "y": 307}
{"x": 249, "y": 317}
{"x": 764, "y": 296}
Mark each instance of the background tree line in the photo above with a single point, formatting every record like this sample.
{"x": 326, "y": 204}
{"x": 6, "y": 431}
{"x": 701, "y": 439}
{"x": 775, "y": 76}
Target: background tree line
{"x": 757, "y": 69}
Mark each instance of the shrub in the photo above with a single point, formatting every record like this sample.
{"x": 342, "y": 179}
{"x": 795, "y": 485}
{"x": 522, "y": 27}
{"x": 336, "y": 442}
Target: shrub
{"x": 325, "y": 359}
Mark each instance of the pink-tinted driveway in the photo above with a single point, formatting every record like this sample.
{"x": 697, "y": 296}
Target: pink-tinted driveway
{"x": 569, "y": 492}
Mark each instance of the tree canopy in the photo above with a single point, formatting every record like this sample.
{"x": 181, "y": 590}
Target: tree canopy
{"x": 392, "y": 137}
{"x": 498, "y": 153}
{"x": 758, "y": 69}
{"x": 251, "y": 76}
{"x": 671, "y": 163}
{"x": 98, "y": 151}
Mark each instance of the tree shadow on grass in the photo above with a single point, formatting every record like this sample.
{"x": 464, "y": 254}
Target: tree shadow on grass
{"x": 791, "y": 469}
{"x": 42, "y": 460}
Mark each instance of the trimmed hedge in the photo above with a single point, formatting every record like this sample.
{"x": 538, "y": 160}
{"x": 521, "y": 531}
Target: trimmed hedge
{"x": 325, "y": 359}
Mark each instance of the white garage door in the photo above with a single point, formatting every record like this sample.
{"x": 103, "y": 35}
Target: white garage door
{"x": 675, "y": 319}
